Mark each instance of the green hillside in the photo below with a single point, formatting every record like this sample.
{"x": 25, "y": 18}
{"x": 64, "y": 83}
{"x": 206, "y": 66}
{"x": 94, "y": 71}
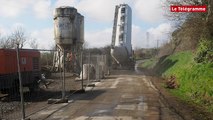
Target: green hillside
{"x": 195, "y": 79}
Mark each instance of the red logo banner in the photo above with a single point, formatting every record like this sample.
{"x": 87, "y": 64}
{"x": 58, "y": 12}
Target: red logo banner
{"x": 174, "y": 8}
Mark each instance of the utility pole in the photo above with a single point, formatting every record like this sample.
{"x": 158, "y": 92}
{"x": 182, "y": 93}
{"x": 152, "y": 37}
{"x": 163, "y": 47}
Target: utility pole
{"x": 20, "y": 83}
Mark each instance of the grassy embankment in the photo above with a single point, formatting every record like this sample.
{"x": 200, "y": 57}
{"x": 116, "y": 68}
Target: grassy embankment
{"x": 195, "y": 80}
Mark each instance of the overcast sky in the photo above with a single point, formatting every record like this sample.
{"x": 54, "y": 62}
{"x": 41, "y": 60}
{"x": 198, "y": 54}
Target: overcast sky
{"x": 36, "y": 17}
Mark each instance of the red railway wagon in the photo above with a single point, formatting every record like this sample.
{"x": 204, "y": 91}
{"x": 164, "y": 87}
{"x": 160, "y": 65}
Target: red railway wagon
{"x": 29, "y": 65}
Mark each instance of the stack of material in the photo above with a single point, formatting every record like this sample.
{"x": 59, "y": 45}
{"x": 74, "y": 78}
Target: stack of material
{"x": 172, "y": 83}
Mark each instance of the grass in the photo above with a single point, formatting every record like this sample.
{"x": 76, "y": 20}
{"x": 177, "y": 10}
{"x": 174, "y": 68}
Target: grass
{"x": 181, "y": 61}
{"x": 195, "y": 79}
{"x": 149, "y": 63}
{"x": 196, "y": 84}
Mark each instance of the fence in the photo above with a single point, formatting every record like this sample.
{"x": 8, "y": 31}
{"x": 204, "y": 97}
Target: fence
{"x": 20, "y": 102}
{"x": 97, "y": 64}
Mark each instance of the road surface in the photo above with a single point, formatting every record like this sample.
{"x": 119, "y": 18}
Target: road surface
{"x": 122, "y": 96}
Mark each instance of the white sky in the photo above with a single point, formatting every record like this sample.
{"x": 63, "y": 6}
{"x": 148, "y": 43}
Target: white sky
{"x": 36, "y": 17}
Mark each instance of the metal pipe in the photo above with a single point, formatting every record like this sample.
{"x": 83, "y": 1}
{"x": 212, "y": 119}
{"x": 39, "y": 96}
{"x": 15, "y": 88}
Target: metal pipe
{"x": 82, "y": 77}
{"x": 59, "y": 67}
{"x": 63, "y": 81}
{"x": 89, "y": 69}
{"x": 98, "y": 74}
{"x": 20, "y": 83}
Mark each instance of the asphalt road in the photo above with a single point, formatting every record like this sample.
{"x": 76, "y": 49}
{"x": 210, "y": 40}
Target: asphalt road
{"x": 122, "y": 96}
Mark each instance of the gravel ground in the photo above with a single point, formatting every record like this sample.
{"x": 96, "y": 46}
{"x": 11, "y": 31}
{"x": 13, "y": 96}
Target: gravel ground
{"x": 10, "y": 105}
{"x": 122, "y": 96}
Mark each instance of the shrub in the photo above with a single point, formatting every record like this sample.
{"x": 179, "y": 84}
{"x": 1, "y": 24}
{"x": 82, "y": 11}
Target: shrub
{"x": 205, "y": 51}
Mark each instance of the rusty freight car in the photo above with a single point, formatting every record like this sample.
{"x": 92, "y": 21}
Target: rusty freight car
{"x": 29, "y": 65}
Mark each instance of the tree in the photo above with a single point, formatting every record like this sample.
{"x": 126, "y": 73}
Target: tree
{"x": 33, "y": 43}
{"x": 180, "y": 17}
{"x": 190, "y": 26}
{"x": 209, "y": 19}
{"x": 5, "y": 42}
{"x": 18, "y": 36}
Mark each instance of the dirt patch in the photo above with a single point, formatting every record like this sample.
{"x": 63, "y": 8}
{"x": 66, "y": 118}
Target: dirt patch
{"x": 187, "y": 110}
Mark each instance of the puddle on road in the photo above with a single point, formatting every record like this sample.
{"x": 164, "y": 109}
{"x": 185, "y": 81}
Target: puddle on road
{"x": 101, "y": 113}
{"x": 125, "y": 107}
{"x": 141, "y": 107}
{"x": 127, "y": 96}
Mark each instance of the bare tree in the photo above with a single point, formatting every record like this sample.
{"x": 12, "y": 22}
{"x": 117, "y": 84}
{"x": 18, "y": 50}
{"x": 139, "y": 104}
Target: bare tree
{"x": 190, "y": 26}
{"x": 18, "y": 37}
{"x": 4, "y": 42}
{"x": 180, "y": 17}
{"x": 33, "y": 43}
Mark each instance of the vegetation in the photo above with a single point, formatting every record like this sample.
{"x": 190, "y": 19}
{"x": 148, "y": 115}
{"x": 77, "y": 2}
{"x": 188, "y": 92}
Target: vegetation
{"x": 143, "y": 53}
{"x": 195, "y": 79}
{"x": 174, "y": 64}
{"x": 149, "y": 63}
{"x": 46, "y": 58}
{"x": 205, "y": 51}
{"x": 18, "y": 36}
{"x": 191, "y": 28}
{"x": 189, "y": 55}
